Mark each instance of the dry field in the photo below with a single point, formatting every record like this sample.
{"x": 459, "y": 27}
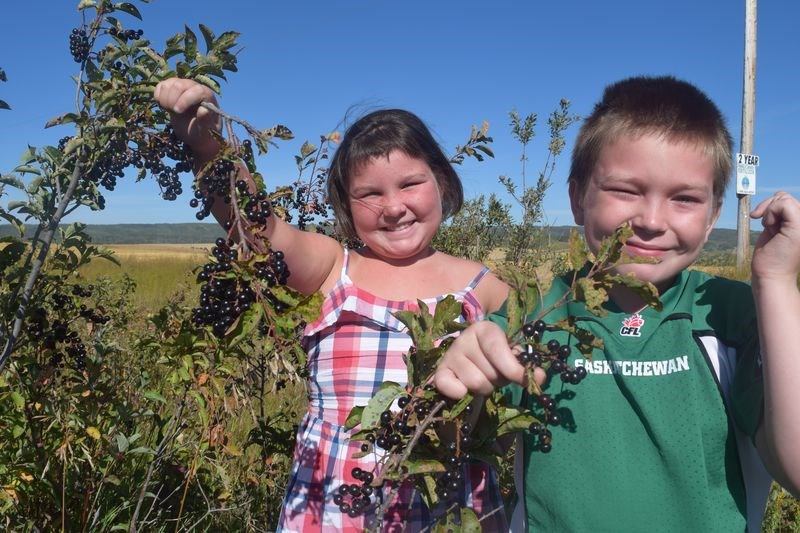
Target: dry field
{"x": 159, "y": 270}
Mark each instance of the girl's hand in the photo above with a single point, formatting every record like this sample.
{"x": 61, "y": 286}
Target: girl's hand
{"x": 190, "y": 122}
{"x": 776, "y": 255}
{"x": 479, "y": 361}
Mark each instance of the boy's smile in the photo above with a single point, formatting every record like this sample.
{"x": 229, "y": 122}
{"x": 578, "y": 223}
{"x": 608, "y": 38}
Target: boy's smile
{"x": 664, "y": 188}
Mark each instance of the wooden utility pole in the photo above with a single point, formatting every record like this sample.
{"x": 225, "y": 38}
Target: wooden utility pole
{"x": 748, "y": 115}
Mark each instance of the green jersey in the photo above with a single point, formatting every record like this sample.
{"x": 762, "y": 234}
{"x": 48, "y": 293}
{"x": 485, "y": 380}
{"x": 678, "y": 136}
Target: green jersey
{"x": 658, "y": 437}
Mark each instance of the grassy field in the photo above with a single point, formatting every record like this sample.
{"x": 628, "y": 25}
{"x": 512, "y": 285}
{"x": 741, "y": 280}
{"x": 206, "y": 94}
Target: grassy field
{"x": 159, "y": 270}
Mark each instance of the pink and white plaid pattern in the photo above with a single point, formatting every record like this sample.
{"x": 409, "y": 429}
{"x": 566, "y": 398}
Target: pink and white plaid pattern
{"x": 354, "y": 347}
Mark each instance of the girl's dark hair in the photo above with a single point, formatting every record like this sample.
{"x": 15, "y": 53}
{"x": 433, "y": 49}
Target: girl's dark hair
{"x": 377, "y": 134}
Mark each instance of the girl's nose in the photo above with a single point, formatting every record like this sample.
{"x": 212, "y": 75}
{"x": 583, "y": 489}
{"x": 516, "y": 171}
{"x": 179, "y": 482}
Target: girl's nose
{"x": 393, "y": 208}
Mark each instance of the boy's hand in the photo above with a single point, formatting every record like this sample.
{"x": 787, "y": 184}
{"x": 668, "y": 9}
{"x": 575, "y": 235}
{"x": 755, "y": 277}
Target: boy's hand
{"x": 190, "y": 122}
{"x": 776, "y": 255}
{"x": 478, "y": 361}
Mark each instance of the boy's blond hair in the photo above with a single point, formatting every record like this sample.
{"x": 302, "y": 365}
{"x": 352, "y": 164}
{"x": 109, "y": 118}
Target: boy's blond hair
{"x": 663, "y": 106}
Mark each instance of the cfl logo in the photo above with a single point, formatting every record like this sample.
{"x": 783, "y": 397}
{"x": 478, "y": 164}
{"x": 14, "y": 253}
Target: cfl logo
{"x": 631, "y": 326}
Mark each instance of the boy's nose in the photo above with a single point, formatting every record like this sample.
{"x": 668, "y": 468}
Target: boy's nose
{"x": 652, "y": 217}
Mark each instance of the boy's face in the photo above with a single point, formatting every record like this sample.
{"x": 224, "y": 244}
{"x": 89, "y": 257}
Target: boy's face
{"x": 665, "y": 189}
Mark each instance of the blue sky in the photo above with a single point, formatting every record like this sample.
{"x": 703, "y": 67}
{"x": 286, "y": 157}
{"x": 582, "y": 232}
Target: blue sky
{"x": 308, "y": 64}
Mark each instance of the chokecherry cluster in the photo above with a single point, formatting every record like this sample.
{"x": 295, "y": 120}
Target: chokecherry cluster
{"x": 394, "y": 433}
{"x": 355, "y": 499}
{"x": 79, "y": 45}
{"x": 150, "y": 153}
{"x": 215, "y": 181}
{"x": 62, "y": 343}
{"x": 552, "y": 358}
{"x": 125, "y": 35}
{"x": 224, "y": 297}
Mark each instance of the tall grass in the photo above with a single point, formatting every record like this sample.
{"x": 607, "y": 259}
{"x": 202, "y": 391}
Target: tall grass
{"x": 159, "y": 272}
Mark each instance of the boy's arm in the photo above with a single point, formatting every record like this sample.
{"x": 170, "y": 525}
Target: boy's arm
{"x": 775, "y": 268}
{"x": 311, "y": 257}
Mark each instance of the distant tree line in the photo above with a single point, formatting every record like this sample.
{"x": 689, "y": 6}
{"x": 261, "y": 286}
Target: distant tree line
{"x": 721, "y": 239}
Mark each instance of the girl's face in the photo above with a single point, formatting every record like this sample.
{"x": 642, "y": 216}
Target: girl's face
{"x": 665, "y": 188}
{"x": 396, "y": 205}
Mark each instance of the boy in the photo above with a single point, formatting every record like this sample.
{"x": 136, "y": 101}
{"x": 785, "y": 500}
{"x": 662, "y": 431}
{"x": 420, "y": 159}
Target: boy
{"x": 660, "y": 435}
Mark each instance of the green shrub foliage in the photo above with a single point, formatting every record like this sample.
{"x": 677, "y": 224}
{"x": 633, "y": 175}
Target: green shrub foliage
{"x": 118, "y": 418}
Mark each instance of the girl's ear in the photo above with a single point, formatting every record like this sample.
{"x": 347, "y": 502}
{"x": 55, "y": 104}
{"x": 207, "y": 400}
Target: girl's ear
{"x": 576, "y": 203}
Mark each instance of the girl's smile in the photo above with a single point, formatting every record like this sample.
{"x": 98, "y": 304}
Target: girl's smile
{"x": 396, "y": 205}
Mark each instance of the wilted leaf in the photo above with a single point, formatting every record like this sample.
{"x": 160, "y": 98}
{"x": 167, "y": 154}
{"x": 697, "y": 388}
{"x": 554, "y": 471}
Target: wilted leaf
{"x": 189, "y": 45}
{"x": 128, "y": 8}
{"x": 208, "y": 36}
{"x": 66, "y": 118}
{"x": 307, "y": 149}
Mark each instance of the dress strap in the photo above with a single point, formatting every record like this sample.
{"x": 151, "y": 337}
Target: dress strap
{"x": 477, "y": 279}
{"x": 345, "y": 263}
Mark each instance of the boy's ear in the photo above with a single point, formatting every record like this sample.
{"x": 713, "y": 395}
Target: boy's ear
{"x": 576, "y": 203}
{"x": 713, "y": 221}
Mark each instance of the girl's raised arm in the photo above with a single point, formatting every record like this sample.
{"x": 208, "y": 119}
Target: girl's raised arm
{"x": 311, "y": 257}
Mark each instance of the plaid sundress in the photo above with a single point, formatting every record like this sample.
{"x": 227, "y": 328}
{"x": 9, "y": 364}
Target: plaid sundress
{"x": 353, "y": 347}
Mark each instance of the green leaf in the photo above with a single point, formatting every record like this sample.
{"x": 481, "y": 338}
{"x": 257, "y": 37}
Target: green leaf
{"x": 513, "y": 419}
{"x": 354, "y": 417}
{"x": 189, "y": 46}
{"x": 245, "y": 325}
{"x": 122, "y": 442}
{"x": 514, "y": 313}
{"x": 11, "y": 253}
{"x": 72, "y": 144}
{"x": 142, "y": 450}
{"x": 93, "y": 73}
{"x": 66, "y": 118}
{"x": 578, "y": 254}
{"x": 226, "y": 40}
{"x": 4, "y": 105}
{"x": 469, "y": 521}
{"x": 155, "y": 396}
{"x": 208, "y": 36}
{"x": 128, "y": 8}
{"x": 447, "y": 311}
{"x": 17, "y": 399}
{"x": 589, "y": 292}
{"x": 611, "y": 247}
{"x": 459, "y": 407}
{"x": 3, "y": 75}
{"x": 424, "y": 466}
{"x": 379, "y": 403}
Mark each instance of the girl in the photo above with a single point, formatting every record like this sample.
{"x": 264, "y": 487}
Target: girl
{"x": 390, "y": 186}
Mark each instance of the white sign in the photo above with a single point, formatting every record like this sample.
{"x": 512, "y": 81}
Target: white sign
{"x": 746, "y": 173}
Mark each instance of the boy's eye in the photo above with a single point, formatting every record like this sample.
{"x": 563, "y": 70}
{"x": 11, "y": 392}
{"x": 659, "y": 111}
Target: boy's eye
{"x": 623, "y": 192}
{"x": 688, "y": 200}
